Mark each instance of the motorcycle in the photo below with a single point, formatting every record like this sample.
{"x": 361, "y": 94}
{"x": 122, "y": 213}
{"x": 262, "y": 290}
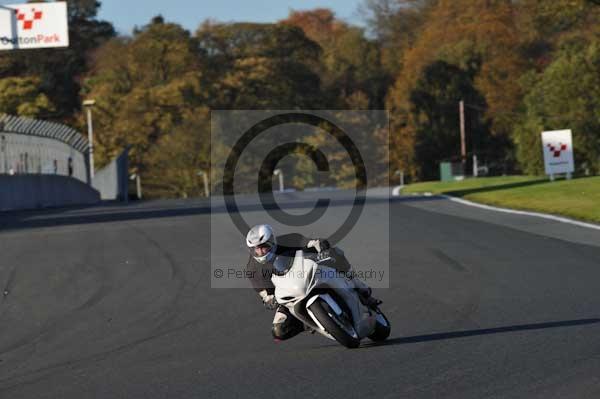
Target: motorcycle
{"x": 315, "y": 294}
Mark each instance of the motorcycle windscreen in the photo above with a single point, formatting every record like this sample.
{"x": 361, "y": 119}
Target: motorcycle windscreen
{"x": 282, "y": 264}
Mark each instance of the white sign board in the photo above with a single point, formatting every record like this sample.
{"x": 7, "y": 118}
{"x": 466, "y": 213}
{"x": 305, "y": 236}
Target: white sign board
{"x": 34, "y": 25}
{"x": 558, "y": 152}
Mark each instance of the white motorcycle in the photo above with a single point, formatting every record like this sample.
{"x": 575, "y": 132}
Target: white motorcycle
{"x": 325, "y": 302}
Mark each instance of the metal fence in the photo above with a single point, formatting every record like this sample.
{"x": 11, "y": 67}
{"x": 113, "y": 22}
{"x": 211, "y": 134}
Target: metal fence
{"x": 30, "y": 146}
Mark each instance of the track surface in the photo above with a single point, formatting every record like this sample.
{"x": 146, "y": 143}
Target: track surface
{"x": 115, "y": 302}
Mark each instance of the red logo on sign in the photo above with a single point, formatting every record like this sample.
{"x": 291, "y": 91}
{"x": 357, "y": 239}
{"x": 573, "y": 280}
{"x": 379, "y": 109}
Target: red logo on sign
{"x": 557, "y": 149}
{"x": 28, "y": 22}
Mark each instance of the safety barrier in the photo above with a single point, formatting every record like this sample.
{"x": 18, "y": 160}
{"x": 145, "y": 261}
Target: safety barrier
{"x": 30, "y": 146}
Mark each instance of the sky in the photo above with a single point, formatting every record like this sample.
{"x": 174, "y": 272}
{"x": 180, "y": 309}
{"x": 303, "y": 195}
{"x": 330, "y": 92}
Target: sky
{"x": 190, "y": 13}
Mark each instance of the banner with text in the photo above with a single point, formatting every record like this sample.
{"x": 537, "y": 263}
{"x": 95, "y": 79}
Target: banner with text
{"x": 33, "y": 25}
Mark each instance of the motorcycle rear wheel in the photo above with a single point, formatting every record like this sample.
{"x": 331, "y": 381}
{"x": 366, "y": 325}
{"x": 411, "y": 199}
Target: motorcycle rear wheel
{"x": 382, "y": 328}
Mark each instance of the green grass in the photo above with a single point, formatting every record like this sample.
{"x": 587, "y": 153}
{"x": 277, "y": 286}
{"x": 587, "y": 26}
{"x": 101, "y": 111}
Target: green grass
{"x": 577, "y": 198}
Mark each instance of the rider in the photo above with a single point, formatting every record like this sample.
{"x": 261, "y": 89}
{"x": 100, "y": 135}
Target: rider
{"x": 264, "y": 247}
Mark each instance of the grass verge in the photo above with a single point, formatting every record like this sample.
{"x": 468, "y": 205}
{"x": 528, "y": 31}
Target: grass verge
{"x": 576, "y": 198}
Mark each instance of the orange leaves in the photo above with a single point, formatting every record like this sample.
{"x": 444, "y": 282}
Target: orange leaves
{"x": 479, "y": 36}
{"x": 318, "y": 24}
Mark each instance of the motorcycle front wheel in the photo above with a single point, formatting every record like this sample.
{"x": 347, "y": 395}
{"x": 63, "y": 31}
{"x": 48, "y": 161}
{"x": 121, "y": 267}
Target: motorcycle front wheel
{"x": 339, "y": 327}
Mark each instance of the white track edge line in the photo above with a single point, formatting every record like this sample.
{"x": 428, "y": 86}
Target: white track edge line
{"x": 507, "y": 210}
{"x": 525, "y": 213}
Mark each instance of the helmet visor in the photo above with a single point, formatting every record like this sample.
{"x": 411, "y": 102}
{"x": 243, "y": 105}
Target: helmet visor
{"x": 262, "y": 249}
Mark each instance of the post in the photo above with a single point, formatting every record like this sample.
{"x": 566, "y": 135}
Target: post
{"x": 88, "y": 104}
{"x": 205, "y": 180}
{"x": 206, "y": 190}
{"x": 138, "y": 185}
{"x": 14, "y": 28}
{"x": 475, "y": 166}
{"x": 3, "y": 150}
{"x": 463, "y": 144}
{"x": 13, "y": 25}
{"x": 90, "y": 141}
{"x": 278, "y": 172}
{"x": 401, "y": 174}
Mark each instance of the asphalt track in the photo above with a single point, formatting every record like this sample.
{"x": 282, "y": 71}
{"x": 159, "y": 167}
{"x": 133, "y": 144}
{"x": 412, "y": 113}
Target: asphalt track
{"x": 115, "y": 302}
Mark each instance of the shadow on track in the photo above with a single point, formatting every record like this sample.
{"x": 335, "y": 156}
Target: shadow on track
{"x": 484, "y": 331}
{"x": 114, "y": 212}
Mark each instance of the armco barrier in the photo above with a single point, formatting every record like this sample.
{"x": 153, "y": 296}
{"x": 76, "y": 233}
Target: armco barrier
{"x": 42, "y": 191}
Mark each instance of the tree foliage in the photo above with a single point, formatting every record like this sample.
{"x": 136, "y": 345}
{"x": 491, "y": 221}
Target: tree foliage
{"x": 259, "y": 66}
{"x": 501, "y": 42}
{"x": 565, "y": 96}
{"x": 520, "y": 66}
{"x": 21, "y": 96}
{"x": 396, "y": 25}
{"x": 434, "y": 102}
{"x": 350, "y": 64}
{"x": 479, "y": 36}
{"x": 148, "y": 90}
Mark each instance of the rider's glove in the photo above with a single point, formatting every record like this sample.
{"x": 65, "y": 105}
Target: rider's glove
{"x": 324, "y": 254}
{"x": 319, "y": 244}
{"x": 269, "y": 301}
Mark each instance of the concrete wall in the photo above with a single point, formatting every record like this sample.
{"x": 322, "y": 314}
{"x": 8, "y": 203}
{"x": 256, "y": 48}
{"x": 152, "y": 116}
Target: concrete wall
{"x": 41, "y": 191}
{"x": 113, "y": 180}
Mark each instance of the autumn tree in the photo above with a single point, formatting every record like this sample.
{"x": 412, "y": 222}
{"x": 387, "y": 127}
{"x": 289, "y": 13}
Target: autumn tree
{"x": 472, "y": 35}
{"x": 434, "y": 102}
{"x": 565, "y": 96}
{"x": 21, "y": 96}
{"x": 149, "y": 96}
{"x": 350, "y": 64}
{"x": 176, "y": 159}
{"x": 259, "y": 66}
{"x": 396, "y": 25}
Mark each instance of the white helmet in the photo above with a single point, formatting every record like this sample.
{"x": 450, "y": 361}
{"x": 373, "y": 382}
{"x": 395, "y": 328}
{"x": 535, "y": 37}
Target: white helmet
{"x": 261, "y": 243}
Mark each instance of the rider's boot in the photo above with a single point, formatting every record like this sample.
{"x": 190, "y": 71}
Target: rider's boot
{"x": 285, "y": 325}
{"x": 365, "y": 293}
